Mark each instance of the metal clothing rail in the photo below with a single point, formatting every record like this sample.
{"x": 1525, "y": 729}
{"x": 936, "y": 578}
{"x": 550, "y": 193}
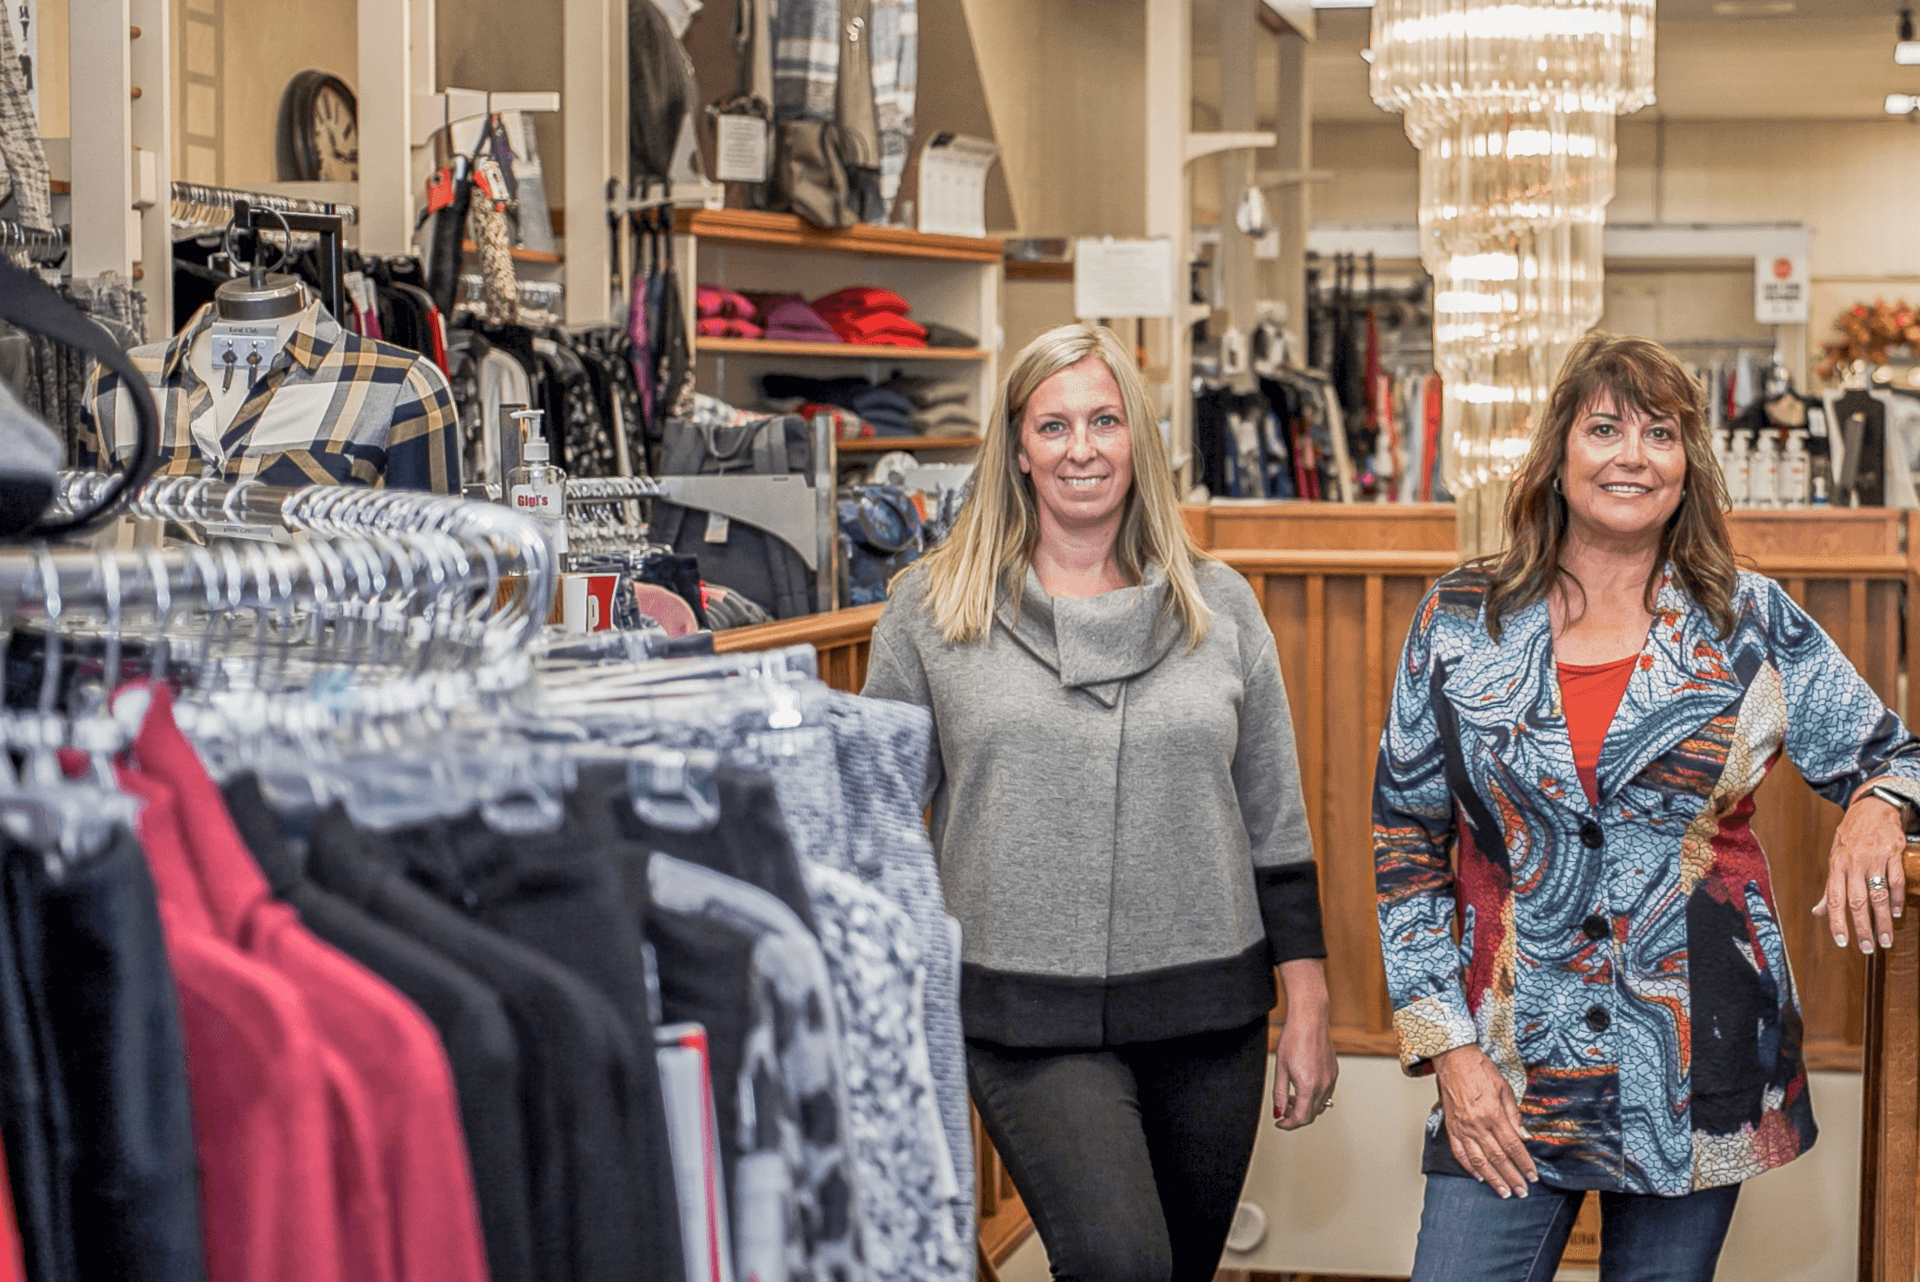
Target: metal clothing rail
{"x": 211, "y": 208}
{"x": 43, "y": 244}
{"x": 796, "y": 509}
{"x": 516, "y": 547}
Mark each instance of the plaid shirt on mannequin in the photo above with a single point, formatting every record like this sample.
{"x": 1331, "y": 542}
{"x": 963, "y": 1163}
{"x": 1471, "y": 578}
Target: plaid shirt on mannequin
{"x": 332, "y": 408}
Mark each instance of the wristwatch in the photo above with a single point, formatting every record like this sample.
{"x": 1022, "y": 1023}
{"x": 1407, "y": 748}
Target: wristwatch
{"x": 1899, "y": 801}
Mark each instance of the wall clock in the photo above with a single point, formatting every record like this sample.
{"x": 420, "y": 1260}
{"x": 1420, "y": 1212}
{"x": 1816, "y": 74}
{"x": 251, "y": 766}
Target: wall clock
{"x": 319, "y": 135}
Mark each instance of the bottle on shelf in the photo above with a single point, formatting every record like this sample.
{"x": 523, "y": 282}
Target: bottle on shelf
{"x": 538, "y": 488}
{"x": 1795, "y": 472}
{"x": 1738, "y": 469}
{"x": 1763, "y": 477}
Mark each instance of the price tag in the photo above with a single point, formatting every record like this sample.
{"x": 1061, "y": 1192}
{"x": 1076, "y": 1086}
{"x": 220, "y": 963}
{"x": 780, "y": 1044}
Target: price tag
{"x": 440, "y": 190}
{"x": 239, "y": 530}
{"x": 742, "y": 149}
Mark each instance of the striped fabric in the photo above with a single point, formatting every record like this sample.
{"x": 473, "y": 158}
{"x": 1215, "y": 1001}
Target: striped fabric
{"x": 806, "y": 59}
{"x": 333, "y": 408}
{"x": 896, "y": 53}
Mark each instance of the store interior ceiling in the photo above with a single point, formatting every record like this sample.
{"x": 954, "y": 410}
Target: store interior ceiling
{"x": 1716, "y": 60}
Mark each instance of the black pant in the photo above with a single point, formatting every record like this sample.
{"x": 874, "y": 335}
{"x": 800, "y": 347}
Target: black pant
{"x": 1129, "y": 1158}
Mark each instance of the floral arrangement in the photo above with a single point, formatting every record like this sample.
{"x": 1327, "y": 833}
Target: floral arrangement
{"x": 1868, "y": 333}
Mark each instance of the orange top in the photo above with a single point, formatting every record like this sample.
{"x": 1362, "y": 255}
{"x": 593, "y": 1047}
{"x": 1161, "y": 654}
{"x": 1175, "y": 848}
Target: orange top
{"x": 1590, "y": 693}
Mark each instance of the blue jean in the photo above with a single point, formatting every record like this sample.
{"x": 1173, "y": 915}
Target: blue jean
{"x": 1469, "y": 1233}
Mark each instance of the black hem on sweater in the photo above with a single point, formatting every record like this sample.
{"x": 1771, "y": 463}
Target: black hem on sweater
{"x": 1010, "y": 1009}
{"x": 1290, "y": 908}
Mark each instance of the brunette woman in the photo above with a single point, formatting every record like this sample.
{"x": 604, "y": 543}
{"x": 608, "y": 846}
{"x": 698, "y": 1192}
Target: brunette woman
{"x": 1567, "y": 776}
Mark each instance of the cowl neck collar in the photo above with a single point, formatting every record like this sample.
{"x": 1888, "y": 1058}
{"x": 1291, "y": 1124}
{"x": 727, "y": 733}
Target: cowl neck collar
{"x": 1094, "y": 643}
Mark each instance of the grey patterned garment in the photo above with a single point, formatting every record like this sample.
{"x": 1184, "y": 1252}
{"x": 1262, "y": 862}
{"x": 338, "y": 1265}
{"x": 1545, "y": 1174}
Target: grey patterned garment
{"x": 882, "y": 748}
{"x": 792, "y": 1088}
{"x": 26, "y": 178}
{"x": 904, "y": 1177}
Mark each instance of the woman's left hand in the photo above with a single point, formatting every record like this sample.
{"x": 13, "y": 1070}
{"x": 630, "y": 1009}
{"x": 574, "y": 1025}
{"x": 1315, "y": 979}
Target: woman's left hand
{"x": 1871, "y": 843}
{"x": 1304, "y": 1068}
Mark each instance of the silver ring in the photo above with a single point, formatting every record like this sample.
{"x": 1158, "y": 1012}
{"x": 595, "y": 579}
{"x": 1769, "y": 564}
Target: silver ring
{"x": 1876, "y": 883}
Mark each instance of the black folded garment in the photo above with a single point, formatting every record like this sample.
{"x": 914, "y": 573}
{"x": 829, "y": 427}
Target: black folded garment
{"x": 939, "y": 335}
{"x": 890, "y": 412}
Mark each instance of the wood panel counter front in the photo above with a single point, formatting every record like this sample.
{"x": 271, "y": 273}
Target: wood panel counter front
{"x": 1340, "y": 585}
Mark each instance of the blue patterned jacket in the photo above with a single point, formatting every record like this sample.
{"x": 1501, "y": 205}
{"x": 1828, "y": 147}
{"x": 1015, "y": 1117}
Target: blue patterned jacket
{"x": 1621, "y": 964}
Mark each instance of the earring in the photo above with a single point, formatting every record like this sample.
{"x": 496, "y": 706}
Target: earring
{"x": 1556, "y": 486}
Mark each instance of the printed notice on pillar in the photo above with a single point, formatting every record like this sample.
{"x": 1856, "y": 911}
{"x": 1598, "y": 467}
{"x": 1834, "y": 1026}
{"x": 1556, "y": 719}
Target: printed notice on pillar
{"x": 953, "y": 184}
{"x": 1122, "y": 278}
{"x": 741, "y": 156}
{"x": 1780, "y": 289}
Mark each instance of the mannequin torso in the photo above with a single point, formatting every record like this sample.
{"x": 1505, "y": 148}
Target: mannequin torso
{"x": 230, "y": 394}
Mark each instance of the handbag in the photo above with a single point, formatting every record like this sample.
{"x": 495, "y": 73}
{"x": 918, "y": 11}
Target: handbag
{"x": 880, "y": 535}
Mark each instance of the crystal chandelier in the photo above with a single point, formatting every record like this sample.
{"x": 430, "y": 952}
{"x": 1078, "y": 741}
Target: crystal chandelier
{"x": 1511, "y": 104}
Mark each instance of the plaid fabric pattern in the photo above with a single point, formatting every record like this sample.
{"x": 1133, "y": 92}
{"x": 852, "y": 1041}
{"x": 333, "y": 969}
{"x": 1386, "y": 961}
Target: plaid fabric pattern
{"x": 806, "y": 59}
{"x": 896, "y": 57}
{"x": 333, "y": 408}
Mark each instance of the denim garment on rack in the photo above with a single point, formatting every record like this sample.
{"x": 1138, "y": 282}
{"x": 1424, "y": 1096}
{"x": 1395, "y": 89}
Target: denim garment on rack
{"x": 883, "y": 748}
{"x": 905, "y": 1178}
{"x": 789, "y": 1061}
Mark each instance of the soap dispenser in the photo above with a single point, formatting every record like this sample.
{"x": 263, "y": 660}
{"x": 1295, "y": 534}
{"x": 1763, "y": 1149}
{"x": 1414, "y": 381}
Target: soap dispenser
{"x": 537, "y": 488}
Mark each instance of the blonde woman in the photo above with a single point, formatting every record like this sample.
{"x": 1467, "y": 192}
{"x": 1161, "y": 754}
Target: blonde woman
{"x": 1117, "y": 810}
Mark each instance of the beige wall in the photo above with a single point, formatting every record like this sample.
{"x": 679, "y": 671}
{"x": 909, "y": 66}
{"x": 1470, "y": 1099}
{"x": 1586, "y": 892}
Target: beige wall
{"x": 263, "y": 45}
{"x": 507, "y": 45}
{"x": 1854, "y": 183}
{"x": 1066, "y": 86}
{"x": 513, "y": 46}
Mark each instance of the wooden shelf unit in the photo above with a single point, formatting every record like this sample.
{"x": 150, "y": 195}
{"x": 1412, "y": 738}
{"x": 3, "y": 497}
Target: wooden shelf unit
{"x": 838, "y": 351}
{"x": 519, "y": 255}
{"x": 952, "y": 280}
{"x": 788, "y": 231}
{"x": 882, "y": 444}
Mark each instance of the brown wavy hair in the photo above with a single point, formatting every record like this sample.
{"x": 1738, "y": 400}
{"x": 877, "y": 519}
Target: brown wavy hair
{"x": 1636, "y": 374}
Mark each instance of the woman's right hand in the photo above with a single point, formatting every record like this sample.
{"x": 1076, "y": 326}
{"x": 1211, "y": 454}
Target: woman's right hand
{"x": 1483, "y": 1121}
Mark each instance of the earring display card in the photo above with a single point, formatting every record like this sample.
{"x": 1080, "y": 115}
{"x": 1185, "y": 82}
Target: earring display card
{"x": 243, "y": 346}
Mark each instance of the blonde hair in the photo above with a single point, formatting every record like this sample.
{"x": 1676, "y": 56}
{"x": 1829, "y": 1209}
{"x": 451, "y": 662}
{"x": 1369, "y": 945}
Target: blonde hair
{"x": 994, "y": 537}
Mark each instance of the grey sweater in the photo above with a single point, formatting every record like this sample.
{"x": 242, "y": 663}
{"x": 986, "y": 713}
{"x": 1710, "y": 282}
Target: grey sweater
{"x": 1119, "y": 820}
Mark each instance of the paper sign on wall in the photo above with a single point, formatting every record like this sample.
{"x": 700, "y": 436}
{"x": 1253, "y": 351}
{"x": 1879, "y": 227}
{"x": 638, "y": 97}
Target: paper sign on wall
{"x": 953, "y": 184}
{"x": 1780, "y": 289}
{"x": 1122, "y": 278}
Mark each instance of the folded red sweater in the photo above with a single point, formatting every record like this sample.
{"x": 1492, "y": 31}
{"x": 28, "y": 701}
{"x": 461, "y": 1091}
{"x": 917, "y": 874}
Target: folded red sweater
{"x": 879, "y": 327}
{"x": 862, "y": 298}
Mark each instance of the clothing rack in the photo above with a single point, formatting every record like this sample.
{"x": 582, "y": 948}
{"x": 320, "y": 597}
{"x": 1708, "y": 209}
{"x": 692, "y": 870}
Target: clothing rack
{"x": 42, "y": 244}
{"x": 798, "y": 510}
{"x": 202, "y": 208}
{"x": 503, "y": 546}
